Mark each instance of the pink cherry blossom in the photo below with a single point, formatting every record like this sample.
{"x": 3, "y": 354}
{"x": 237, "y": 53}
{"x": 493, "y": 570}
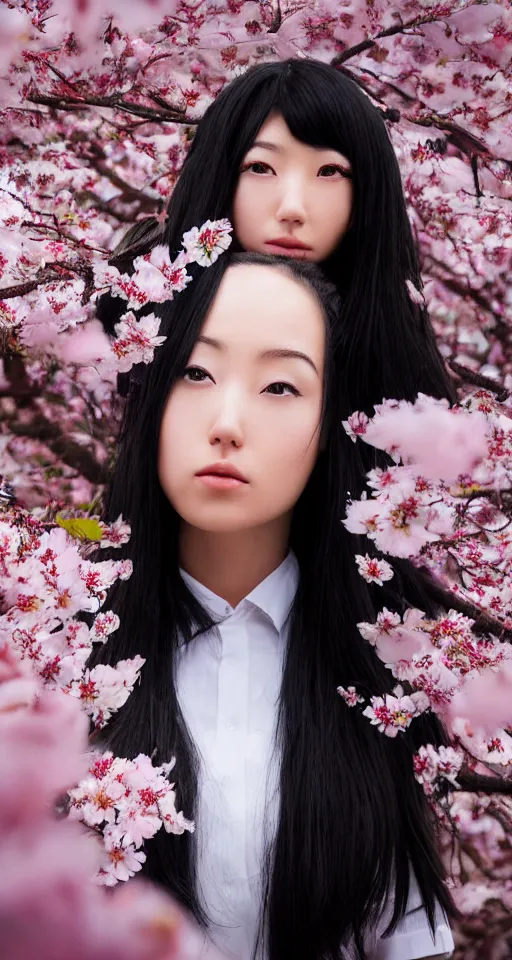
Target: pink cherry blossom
{"x": 206, "y": 243}
{"x": 431, "y": 765}
{"x": 442, "y": 443}
{"x": 486, "y": 698}
{"x": 115, "y": 534}
{"x": 393, "y": 714}
{"x": 374, "y": 570}
{"x": 350, "y": 696}
{"x": 136, "y": 340}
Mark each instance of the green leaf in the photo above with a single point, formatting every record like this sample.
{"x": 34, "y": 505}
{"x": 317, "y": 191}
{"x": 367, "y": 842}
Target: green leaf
{"x": 83, "y": 528}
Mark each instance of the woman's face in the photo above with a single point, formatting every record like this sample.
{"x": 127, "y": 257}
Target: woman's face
{"x": 291, "y": 199}
{"x": 249, "y": 401}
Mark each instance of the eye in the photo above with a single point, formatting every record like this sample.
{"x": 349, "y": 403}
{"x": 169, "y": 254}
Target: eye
{"x": 331, "y": 169}
{"x": 281, "y": 389}
{"x": 195, "y": 375}
{"x": 257, "y": 166}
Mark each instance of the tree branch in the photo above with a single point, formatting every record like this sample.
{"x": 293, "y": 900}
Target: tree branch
{"x": 21, "y": 289}
{"x": 99, "y": 162}
{"x": 113, "y": 102}
{"x": 474, "y": 783}
{"x": 52, "y": 274}
{"x": 71, "y": 453}
{"x": 464, "y": 291}
{"x": 478, "y": 380}
{"x": 389, "y": 32}
{"x": 277, "y": 19}
{"x": 484, "y": 623}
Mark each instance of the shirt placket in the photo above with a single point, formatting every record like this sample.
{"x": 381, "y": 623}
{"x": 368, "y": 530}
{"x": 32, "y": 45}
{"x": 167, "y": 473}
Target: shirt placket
{"x": 232, "y": 735}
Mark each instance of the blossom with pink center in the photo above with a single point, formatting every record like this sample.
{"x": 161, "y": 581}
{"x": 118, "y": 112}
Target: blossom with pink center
{"x": 95, "y": 802}
{"x": 374, "y": 570}
{"x": 136, "y": 340}
{"x": 104, "y": 624}
{"x": 205, "y": 244}
{"x": 115, "y": 534}
{"x": 350, "y": 696}
{"x": 431, "y": 765}
{"x": 393, "y": 714}
{"x": 356, "y": 425}
{"x": 119, "y": 863}
{"x": 105, "y": 688}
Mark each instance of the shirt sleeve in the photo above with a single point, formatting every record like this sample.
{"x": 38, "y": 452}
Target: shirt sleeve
{"x": 412, "y": 938}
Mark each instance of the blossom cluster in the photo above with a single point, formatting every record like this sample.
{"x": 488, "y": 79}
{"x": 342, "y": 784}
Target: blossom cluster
{"x": 49, "y": 908}
{"x": 430, "y": 765}
{"x": 155, "y": 279}
{"x": 128, "y": 800}
{"x": 47, "y": 584}
{"x": 444, "y": 502}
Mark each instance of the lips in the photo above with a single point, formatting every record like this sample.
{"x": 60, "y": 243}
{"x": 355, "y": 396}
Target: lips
{"x": 226, "y": 470}
{"x": 288, "y": 243}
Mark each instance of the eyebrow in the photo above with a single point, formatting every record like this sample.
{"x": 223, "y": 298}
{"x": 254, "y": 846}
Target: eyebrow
{"x": 275, "y": 353}
{"x": 266, "y": 145}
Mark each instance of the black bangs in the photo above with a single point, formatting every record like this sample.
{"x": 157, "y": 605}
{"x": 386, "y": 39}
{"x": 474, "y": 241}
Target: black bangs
{"x": 319, "y": 113}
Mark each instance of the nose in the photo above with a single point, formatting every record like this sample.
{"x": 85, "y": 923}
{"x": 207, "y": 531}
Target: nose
{"x": 226, "y": 428}
{"x": 292, "y": 206}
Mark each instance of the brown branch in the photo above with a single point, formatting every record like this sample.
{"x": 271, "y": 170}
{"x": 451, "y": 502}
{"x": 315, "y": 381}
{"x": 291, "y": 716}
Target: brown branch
{"x": 484, "y": 622}
{"x": 382, "y": 80}
{"x": 106, "y": 205}
{"x": 476, "y": 858}
{"x": 113, "y": 101}
{"x": 99, "y": 162}
{"x": 474, "y": 783}
{"x": 389, "y": 32}
{"x": 53, "y": 274}
{"x": 464, "y": 291}
{"x": 277, "y": 19}
{"x": 71, "y": 453}
{"x": 20, "y": 387}
{"x": 478, "y": 380}
{"x": 21, "y": 289}
{"x": 461, "y": 138}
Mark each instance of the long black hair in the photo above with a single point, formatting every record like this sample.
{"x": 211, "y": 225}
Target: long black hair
{"x": 352, "y": 817}
{"x": 390, "y": 346}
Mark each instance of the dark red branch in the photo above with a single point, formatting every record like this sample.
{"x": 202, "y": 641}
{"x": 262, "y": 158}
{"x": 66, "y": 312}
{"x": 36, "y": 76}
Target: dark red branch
{"x": 473, "y": 783}
{"x": 73, "y": 454}
{"x": 113, "y": 102}
{"x": 368, "y": 44}
{"x": 478, "y": 380}
{"x": 484, "y": 623}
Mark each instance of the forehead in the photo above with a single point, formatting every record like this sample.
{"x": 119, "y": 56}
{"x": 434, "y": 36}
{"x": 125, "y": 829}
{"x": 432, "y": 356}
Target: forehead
{"x": 275, "y": 131}
{"x": 261, "y": 306}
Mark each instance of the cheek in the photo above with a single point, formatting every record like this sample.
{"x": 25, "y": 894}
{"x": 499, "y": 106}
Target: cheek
{"x": 247, "y": 208}
{"x": 291, "y": 452}
{"x": 173, "y": 446}
{"x": 335, "y": 219}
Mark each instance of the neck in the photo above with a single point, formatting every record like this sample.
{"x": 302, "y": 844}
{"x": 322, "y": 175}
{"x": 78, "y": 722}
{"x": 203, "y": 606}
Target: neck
{"x": 232, "y": 564}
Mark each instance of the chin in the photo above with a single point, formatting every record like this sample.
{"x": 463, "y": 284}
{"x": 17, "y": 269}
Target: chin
{"x": 219, "y": 521}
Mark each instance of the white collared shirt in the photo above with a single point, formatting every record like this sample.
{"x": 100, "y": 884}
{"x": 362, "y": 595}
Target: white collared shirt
{"x": 228, "y": 682}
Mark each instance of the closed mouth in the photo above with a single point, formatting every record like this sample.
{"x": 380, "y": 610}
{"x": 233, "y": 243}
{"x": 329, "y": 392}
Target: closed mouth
{"x": 288, "y": 244}
{"x": 222, "y": 470}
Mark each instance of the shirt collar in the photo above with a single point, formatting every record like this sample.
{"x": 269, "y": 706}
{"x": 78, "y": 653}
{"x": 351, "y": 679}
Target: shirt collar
{"x": 274, "y": 595}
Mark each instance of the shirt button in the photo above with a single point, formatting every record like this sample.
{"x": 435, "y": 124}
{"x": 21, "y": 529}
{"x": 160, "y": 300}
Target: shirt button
{"x": 230, "y": 726}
